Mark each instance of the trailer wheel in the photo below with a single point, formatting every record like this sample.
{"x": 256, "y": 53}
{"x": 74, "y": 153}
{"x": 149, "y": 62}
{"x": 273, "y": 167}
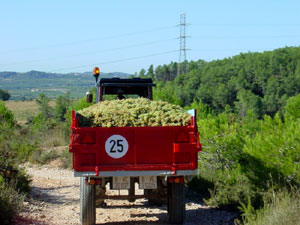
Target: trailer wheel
{"x": 87, "y": 203}
{"x": 131, "y": 191}
{"x": 176, "y": 203}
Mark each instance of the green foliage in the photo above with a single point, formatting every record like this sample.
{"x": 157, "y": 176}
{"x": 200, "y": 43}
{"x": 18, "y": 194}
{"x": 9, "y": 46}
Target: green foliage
{"x": 44, "y": 108}
{"x": 248, "y": 101}
{"x": 66, "y": 159}
{"x": 61, "y": 105}
{"x": 244, "y": 157}
{"x": 260, "y": 82}
{"x": 10, "y": 202}
{"x": 44, "y": 157}
{"x": 165, "y": 93}
{"x": 283, "y": 208}
{"x": 292, "y": 108}
{"x": 4, "y": 95}
{"x": 15, "y": 148}
{"x": 6, "y": 116}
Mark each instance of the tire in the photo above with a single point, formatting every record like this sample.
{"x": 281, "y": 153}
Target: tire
{"x": 176, "y": 203}
{"x": 131, "y": 191}
{"x": 87, "y": 203}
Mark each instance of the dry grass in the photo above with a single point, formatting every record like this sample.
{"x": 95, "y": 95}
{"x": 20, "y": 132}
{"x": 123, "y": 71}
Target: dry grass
{"x": 23, "y": 109}
{"x": 284, "y": 210}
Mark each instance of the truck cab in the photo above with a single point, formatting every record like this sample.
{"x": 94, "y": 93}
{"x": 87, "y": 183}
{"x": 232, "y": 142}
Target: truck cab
{"x": 135, "y": 87}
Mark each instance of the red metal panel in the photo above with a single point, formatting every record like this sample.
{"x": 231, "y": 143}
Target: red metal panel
{"x": 154, "y": 146}
{"x": 149, "y": 148}
{"x": 103, "y": 134}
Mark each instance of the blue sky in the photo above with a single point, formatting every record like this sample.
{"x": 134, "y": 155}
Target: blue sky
{"x": 126, "y": 36}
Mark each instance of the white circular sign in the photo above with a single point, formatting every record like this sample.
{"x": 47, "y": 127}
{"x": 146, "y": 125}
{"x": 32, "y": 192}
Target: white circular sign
{"x": 116, "y": 146}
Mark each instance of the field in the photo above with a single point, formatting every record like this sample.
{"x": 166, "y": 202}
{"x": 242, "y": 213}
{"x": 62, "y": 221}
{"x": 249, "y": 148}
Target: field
{"x": 24, "y": 109}
{"x": 28, "y": 86}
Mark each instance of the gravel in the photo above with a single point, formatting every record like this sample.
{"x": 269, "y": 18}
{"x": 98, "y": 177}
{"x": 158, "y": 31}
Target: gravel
{"x": 54, "y": 199}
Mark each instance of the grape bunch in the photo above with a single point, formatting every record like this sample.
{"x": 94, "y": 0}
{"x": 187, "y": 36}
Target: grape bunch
{"x": 138, "y": 112}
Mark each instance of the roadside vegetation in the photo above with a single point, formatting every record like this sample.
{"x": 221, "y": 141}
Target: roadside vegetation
{"x": 15, "y": 146}
{"x": 31, "y": 141}
{"x": 250, "y": 164}
{"x": 249, "y": 122}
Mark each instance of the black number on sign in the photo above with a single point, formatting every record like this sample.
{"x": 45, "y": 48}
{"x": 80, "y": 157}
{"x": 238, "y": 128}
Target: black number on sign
{"x": 113, "y": 145}
{"x": 119, "y": 145}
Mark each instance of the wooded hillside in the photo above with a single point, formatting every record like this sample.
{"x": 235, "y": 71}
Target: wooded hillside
{"x": 261, "y": 82}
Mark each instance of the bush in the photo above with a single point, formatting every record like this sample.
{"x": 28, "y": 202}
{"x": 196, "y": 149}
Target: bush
{"x": 242, "y": 158}
{"x": 66, "y": 159}
{"x": 4, "y": 95}
{"x": 10, "y": 202}
{"x": 283, "y": 208}
{"x": 54, "y": 137}
{"x": 43, "y": 157}
{"x": 6, "y": 117}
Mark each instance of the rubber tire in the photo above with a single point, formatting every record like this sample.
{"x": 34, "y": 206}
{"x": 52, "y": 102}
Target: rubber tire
{"x": 87, "y": 203}
{"x": 131, "y": 191}
{"x": 176, "y": 203}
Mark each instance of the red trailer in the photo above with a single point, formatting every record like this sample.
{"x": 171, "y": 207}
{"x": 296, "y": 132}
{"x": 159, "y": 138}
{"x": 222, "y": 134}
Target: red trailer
{"x": 157, "y": 158}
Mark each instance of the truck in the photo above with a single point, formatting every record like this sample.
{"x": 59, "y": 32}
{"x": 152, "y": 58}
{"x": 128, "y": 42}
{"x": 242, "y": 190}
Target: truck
{"x": 157, "y": 159}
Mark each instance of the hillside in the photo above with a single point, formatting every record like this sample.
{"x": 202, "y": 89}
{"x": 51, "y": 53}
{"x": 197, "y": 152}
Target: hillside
{"x": 29, "y": 85}
{"x": 261, "y": 82}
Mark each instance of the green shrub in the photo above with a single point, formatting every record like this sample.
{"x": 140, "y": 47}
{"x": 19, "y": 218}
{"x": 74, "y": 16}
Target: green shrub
{"x": 10, "y": 203}
{"x": 6, "y": 117}
{"x": 43, "y": 157}
{"x": 243, "y": 157}
{"x": 66, "y": 159}
{"x": 54, "y": 137}
{"x": 283, "y": 208}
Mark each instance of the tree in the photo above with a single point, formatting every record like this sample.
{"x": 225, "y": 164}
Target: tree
{"x": 4, "y": 95}
{"x": 292, "y": 108}
{"x": 6, "y": 116}
{"x": 248, "y": 101}
{"x": 44, "y": 107}
{"x": 150, "y": 72}
{"x": 142, "y": 73}
{"x": 61, "y": 105}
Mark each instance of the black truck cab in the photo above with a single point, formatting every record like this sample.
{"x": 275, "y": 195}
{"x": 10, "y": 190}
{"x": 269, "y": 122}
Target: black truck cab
{"x": 121, "y": 87}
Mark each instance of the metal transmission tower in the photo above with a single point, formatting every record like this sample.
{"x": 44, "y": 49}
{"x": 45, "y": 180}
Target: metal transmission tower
{"x": 182, "y": 50}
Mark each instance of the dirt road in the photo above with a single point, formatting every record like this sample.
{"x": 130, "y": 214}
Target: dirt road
{"x": 54, "y": 199}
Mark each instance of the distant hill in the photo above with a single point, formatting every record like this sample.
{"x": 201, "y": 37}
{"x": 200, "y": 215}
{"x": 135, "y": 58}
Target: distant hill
{"x": 23, "y": 86}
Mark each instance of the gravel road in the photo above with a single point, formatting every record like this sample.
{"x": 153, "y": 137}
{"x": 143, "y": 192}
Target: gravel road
{"x": 54, "y": 199}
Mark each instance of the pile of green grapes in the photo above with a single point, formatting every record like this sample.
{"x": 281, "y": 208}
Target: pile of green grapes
{"x": 138, "y": 112}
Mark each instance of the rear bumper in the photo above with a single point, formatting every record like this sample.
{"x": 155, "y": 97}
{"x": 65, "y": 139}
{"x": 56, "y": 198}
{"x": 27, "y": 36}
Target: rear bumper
{"x": 136, "y": 173}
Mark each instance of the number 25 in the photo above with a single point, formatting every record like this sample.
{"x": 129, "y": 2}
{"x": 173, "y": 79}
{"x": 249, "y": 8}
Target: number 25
{"x": 119, "y": 145}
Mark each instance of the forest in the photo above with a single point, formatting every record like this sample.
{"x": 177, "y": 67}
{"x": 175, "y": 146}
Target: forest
{"x": 261, "y": 82}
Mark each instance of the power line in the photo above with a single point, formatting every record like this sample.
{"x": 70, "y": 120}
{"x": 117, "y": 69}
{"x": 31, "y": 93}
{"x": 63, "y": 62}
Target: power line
{"x": 228, "y": 50}
{"x": 243, "y": 25}
{"x": 87, "y": 40}
{"x": 90, "y": 53}
{"x": 247, "y": 37}
{"x": 115, "y": 61}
